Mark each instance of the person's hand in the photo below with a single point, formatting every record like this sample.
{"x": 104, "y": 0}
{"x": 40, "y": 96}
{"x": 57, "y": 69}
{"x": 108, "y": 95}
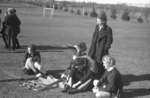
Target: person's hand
{"x": 95, "y": 83}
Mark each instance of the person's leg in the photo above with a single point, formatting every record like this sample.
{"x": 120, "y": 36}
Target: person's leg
{"x": 4, "y": 36}
{"x": 30, "y": 65}
{"x": 101, "y": 70}
{"x": 17, "y": 43}
{"x": 84, "y": 86}
{"x": 9, "y": 31}
{"x": 37, "y": 66}
{"x": 14, "y": 39}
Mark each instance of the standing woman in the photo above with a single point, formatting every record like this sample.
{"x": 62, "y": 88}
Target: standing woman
{"x": 101, "y": 41}
{"x": 13, "y": 28}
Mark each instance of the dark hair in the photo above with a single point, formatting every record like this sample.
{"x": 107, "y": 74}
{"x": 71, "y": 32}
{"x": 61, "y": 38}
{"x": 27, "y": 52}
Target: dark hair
{"x": 102, "y": 16}
{"x": 82, "y": 46}
{"x": 33, "y": 47}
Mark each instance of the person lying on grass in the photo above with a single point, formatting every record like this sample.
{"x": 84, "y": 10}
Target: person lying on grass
{"x": 110, "y": 82}
{"x": 81, "y": 71}
{"x": 32, "y": 61}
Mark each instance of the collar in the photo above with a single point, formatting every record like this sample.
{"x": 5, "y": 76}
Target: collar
{"x": 100, "y": 27}
{"x": 110, "y": 69}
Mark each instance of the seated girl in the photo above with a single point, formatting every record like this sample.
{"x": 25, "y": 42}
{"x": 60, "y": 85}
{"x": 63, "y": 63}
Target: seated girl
{"x": 111, "y": 81}
{"x": 32, "y": 61}
{"x": 81, "y": 71}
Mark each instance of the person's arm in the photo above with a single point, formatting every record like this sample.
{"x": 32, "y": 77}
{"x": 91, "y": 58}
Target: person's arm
{"x": 18, "y": 20}
{"x": 109, "y": 38}
{"x": 25, "y": 58}
{"x": 37, "y": 57}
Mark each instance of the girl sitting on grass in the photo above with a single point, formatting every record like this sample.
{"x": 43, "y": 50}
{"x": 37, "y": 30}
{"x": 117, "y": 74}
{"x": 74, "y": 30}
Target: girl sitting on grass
{"x": 32, "y": 61}
{"x": 81, "y": 71}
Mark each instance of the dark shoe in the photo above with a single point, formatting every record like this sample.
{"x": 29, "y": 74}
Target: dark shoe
{"x": 73, "y": 91}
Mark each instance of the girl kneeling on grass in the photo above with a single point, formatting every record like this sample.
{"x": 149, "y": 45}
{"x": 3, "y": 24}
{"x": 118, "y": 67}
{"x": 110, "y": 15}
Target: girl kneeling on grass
{"x": 81, "y": 71}
{"x": 32, "y": 61}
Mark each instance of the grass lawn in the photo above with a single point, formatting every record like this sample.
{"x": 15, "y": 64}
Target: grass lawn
{"x": 130, "y": 48}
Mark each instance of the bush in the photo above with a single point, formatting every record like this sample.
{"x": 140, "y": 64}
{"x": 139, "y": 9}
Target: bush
{"x": 60, "y": 7}
{"x": 78, "y": 12}
{"x": 125, "y": 16}
{"x": 93, "y": 13}
{"x": 72, "y": 11}
{"x": 66, "y": 9}
{"x": 56, "y": 6}
{"x": 113, "y": 14}
{"x": 140, "y": 20}
{"x": 85, "y": 13}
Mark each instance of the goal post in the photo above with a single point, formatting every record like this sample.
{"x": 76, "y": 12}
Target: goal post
{"x": 49, "y": 8}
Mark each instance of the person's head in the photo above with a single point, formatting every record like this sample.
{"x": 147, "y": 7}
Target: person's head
{"x": 31, "y": 49}
{"x": 80, "y": 48}
{"x": 11, "y": 11}
{"x": 101, "y": 18}
{"x": 108, "y": 61}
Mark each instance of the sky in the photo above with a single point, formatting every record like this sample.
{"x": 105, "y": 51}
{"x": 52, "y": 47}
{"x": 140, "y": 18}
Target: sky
{"x": 130, "y": 2}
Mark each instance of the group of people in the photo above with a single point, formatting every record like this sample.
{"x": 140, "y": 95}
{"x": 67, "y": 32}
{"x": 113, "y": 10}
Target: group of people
{"x": 93, "y": 71}
{"x": 10, "y": 29}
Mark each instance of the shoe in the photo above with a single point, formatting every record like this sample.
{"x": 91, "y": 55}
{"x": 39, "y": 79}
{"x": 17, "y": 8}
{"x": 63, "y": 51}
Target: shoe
{"x": 73, "y": 91}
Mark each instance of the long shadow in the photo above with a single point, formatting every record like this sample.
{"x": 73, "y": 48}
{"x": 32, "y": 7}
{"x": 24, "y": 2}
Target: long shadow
{"x": 127, "y": 79}
{"x": 18, "y": 79}
{"x": 131, "y": 93}
{"x": 55, "y": 73}
{"x": 41, "y": 48}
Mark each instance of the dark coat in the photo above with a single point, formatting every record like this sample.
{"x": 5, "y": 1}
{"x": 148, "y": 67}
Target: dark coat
{"x": 13, "y": 22}
{"x": 112, "y": 81}
{"x": 101, "y": 43}
{"x": 82, "y": 69}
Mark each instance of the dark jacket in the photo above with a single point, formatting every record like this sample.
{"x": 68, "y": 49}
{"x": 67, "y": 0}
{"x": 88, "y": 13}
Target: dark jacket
{"x": 84, "y": 69}
{"x": 112, "y": 80}
{"x": 12, "y": 21}
{"x": 35, "y": 57}
{"x": 101, "y": 43}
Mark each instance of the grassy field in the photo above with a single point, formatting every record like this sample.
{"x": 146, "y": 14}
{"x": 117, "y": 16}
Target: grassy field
{"x": 130, "y": 48}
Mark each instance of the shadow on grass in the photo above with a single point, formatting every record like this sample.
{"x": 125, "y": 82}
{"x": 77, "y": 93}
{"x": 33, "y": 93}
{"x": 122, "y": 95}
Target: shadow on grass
{"x": 18, "y": 79}
{"x": 139, "y": 93}
{"x": 127, "y": 79}
{"x": 41, "y": 48}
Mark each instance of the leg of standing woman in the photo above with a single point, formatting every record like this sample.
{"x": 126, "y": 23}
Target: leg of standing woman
{"x": 9, "y": 31}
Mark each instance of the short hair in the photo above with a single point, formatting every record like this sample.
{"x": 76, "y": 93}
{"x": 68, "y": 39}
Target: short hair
{"x": 102, "y": 16}
{"x": 32, "y": 47}
{"x": 11, "y": 10}
{"x": 110, "y": 59}
{"x": 81, "y": 46}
